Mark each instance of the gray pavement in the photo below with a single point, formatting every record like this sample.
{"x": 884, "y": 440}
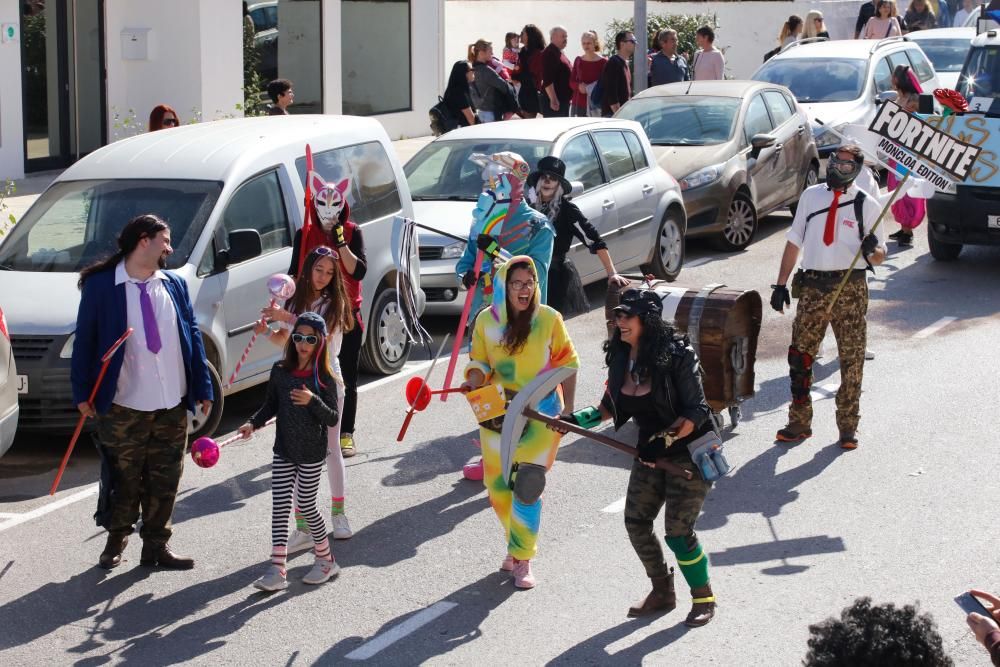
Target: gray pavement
{"x": 794, "y": 533}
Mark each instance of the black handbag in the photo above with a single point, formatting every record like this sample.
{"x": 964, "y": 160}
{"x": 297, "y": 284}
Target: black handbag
{"x": 441, "y": 118}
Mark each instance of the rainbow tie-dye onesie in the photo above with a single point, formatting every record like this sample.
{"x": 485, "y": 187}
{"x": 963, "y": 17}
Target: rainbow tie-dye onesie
{"x": 548, "y": 346}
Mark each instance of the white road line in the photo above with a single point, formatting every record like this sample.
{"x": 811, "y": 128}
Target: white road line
{"x": 409, "y": 626}
{"x": 926, "y": 332}
{"x": 615, "y": 507}
{"x": 7, "y": 515}
{"x": 406, "y": 372}
{"x": 51, "y": 507}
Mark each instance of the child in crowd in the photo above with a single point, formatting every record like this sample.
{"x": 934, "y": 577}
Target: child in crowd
{"x": 511, "y": 47}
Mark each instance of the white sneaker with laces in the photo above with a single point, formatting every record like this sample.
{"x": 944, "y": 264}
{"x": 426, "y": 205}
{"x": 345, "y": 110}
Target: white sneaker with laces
{"x": 341, "y": 528}
{"x": 321, "y": 571}
{"x": 273, "y": 580}
{"x": 299, "y": 541}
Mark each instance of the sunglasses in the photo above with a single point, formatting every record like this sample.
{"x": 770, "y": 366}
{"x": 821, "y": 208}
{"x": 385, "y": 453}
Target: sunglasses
{"x": 325, "y": 251}
{"x": 308, "y": 339}
{"x": 518, "y": 285}
{"x": 170, "y": 121}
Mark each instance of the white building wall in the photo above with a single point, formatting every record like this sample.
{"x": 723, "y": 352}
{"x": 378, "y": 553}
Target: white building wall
{"x": 221, "y": 40}
{"x": 11, "y": 120}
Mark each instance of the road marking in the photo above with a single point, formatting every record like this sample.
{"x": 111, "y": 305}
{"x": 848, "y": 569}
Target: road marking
{"x": 404, "y": 373}
{"x": 7, "y": 515}
{"x": 51, "y": 507}
{"x": 824, "y": 391}
{"x": 409, "y": 626}
{"x": 926, "y": 332}
{"x": 615, "y": 507}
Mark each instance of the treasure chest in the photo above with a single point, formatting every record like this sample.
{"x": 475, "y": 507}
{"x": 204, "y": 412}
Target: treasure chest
{"x": 723, "y": 324}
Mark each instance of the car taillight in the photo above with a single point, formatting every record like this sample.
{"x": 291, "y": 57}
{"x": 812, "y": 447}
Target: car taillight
{"x": 3, "y": 326}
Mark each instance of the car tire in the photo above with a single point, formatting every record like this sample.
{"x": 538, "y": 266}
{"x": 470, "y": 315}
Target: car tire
{"x": 386, "y": 345}
{"x": 741, "y": 224}
{"x": 812, "y": 178}
{"x": 200, "y": 424}
{"x": 941, "y": 251}
{"x": 668, "y": 256}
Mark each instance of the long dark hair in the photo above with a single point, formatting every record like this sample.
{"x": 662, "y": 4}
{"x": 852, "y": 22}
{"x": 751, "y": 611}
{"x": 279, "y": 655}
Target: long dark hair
{"x": 145, "y": 226}
{"x": 338, "y": 308}
{"x": 654, "y": 346}
{"x": 515, "y": 335}
{"x": 457, "y": 83}
{"x": 536, "y": 41}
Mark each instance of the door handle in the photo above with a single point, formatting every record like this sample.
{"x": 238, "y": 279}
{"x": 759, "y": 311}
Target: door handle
{"x": 778, "y": 148}
{"x": 646, "y": 189}
{"x": 607, "y": 204}
{"x": 801, "y": 129}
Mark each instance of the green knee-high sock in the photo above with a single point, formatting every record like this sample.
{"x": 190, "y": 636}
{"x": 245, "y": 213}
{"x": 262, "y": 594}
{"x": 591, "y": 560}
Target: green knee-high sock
{"x": 693, "y": 562}
{"x": 300, "y": 521}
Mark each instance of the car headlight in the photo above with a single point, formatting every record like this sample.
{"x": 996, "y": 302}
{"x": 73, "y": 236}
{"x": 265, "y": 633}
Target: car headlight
{"x": 826, "y": 138}
{"x": 701, "y": 177}
{"x": 453, "y": 251}
{"x": 67, "y": 350}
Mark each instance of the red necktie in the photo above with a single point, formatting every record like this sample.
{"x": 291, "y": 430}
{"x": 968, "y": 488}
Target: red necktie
{"x": 831, "y": 219}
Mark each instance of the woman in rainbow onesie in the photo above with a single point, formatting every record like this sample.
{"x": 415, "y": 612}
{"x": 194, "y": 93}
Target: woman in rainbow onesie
{"x": 513, "y": 341}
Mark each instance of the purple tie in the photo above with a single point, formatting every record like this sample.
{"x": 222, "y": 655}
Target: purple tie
{"x": 149, "y": 319}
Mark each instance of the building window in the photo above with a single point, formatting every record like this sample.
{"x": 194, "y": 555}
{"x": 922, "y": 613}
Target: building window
{"x": 283, "y": 39}
{"x": 376, "y": 56}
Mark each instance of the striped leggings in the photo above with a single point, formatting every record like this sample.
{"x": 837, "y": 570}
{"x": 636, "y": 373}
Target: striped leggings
{"x": 302, "y": 481}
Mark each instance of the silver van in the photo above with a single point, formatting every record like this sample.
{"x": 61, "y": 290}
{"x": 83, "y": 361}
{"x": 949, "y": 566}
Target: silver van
{"x": 232, "y": 193}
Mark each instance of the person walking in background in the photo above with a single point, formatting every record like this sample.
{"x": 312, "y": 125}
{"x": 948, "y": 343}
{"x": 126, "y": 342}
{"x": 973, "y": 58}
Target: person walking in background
{"x": 556, "y": 73}
{"x": 667, "y": 66}
{"x": 587, "y": 70}
{"x": 943, "y": 14}
{"x": 865, "y": 12}
{"x": 457, "y": 96}
{"x": 790, "y": 31}
{"x": 709, "y": 63}
{"x": 919, "y": 16}
{"x": 883, "y": 24}
{"x": 162, "y": 117}
{"x": 616, "y": 81}
{"x": 490, "y": 89}
{"x": 511, "y": 47}
{"x": 962, "y": 15}
{"x": 281, "y": 94}
{"x": 153, "y": 381}
{"x": 814, "y": 25}
{"x": 529, "y": 70}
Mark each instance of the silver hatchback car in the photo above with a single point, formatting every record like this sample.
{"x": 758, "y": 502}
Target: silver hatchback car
{"x": 625, "y": 194}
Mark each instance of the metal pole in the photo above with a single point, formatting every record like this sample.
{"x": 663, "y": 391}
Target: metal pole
{"x": 76, "y": 88}
{"x": 640, "y": 67}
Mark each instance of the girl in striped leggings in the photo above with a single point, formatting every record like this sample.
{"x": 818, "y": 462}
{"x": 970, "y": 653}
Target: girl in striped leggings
{"x": 302, "y": 394}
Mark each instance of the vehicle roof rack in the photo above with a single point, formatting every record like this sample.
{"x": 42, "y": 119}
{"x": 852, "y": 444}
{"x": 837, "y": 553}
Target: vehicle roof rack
{"x": 807, "y": 40}
{"x": 885, "y": 40}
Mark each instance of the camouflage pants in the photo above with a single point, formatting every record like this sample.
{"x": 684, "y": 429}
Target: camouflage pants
{"x": 146, "y": 453}
{"x": 649, "y": 490}
{"x": 850, "y": 330}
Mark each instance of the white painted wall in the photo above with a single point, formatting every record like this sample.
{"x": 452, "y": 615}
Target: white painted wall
{"x": 747, "y": 30}
{"x": 11, "y": 121}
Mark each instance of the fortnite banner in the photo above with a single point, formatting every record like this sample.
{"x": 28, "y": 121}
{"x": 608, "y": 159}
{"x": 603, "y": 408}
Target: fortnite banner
{"x": 910, "y": 140}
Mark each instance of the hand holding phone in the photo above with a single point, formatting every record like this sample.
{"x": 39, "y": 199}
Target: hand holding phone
{"x": 971, "y": 604}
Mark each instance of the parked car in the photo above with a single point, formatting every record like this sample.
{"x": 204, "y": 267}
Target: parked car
{"x": 635, "y": 205}
{"x": 740, "y": 149}
{"x": 946, "y": 48}
{"x": 842, "y": 82}
{"x": 972, "y": 21}
{"x": 232, "y": 193}
{"x": 265, "y": 39}
{"x": 11, "y": 384}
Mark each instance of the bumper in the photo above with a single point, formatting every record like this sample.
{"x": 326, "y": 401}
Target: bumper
{"x": 706, "y": 208}
{"x": 8, "y": 427}
{"x": 441, "y": 285}
{"x": 962, "y": 218}
{"x": 48, "y": 405}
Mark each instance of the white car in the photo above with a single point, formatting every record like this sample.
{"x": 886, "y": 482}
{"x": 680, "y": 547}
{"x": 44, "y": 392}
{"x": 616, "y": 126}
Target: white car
{"x": 842, "y": 82}
{"x": 10, "y": 385}
{"x": 946, "y": 48}
{"x": 973, "y": 20}
{"x": 232, "y": 192}
{"x": 617, "y": 183}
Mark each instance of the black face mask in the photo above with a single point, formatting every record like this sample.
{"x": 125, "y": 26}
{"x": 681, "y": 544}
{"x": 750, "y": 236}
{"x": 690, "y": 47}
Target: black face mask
{"x": 841, "y": 173}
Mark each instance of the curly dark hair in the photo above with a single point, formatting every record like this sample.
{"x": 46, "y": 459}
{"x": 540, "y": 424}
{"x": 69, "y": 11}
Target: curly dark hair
{"x": 654, "y": 346}
{"x": 876, "y": 636}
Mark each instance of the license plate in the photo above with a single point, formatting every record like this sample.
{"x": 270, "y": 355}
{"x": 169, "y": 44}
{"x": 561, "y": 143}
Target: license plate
{"x": 22, "y": 384}
{"x": 993, "y": 221}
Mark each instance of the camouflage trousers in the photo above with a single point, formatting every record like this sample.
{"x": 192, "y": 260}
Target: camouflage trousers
{"x": 649, "y": 490}
{"x": 850, "y": 330}
{"x": 145, "y": 451}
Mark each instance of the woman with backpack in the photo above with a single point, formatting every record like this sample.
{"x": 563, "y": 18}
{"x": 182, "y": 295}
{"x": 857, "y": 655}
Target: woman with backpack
{"x": 529, "y": 70}
{"x": 883, "y": 24}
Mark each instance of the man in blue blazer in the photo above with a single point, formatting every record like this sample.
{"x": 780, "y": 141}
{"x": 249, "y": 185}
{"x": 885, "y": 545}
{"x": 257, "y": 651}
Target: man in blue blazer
{"x": 152, "y": 381}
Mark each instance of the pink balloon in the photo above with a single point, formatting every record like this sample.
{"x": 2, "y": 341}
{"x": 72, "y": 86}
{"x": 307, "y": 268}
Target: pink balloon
{"x": 205, "y": 452}
{"x": 281, "y": 286}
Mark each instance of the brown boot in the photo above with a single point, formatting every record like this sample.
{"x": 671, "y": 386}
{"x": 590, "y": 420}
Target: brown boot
{"x": 154, "y": 554}
{"x": 660, "y": 600}
{"x": 702, "y": 607}
{"x": 111, "y": 557}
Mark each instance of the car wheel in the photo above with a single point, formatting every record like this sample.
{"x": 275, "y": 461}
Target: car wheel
{"x": 669, "y": 256}
{"x": 200, "y": 424}
{"x": 386, "y": 346}
{"x": 741, "y": 224}
{"x": 812, "y": 178}
{"x": 941, "y": 251}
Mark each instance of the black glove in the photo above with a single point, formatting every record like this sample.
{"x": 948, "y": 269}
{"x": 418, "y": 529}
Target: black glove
{"x": 489, "y": 246}
{"x": 869, "y": 244}
{"x": 338, "y": 236}
{"x": 649, "y": 451}
{"x": 780, "y": 297}
{"x": 469, "y": 279}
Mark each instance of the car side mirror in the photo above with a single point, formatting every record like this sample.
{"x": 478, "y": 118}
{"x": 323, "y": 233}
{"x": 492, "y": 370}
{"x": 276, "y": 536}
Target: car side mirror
{"x": 576, "y": 189}
{"x": 759, "y": 142}
{"x": 886, "y": 96}
{"x": 244, "y": 244}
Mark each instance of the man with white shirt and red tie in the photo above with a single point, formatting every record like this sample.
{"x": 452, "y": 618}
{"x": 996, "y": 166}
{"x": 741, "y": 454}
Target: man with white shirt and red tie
{"x": 152, "y": 381}
{"x": 832, "y": 222}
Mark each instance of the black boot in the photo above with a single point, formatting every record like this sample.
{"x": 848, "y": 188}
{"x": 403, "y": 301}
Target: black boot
{"x": 154, "y": 553}
{"x": 660, "y": 600}
{"x": 111, "y": 557}
{"x": 702, "y": 607}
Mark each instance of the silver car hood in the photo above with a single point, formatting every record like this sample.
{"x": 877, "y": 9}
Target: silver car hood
{"x": 40, "y": 303}
{"x": 680, "y": 161}
{"x": 838, "y": 113}
{"x": 453, "y": 217}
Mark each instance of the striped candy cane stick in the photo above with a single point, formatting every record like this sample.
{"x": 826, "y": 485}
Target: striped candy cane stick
{"x": 246, "y": 352}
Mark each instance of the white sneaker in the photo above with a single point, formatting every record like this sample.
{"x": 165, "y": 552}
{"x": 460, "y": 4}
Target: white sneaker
{"x": 273, "y": 580}
{"x": 299, "y": 541}
{"x": 321, "y": 571}
{"x": 341, "y": 528}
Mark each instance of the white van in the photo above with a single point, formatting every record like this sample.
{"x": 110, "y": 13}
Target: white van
{"x": 232, "y": 193}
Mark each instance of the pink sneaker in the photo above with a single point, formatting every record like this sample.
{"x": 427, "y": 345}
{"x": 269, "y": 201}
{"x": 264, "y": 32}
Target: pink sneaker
{"x": 522, "y": 574}
{"x": 473, "y": 471}
{"x": 508, "y": 563}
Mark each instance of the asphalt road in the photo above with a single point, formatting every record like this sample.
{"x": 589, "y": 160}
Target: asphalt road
{"x": 794, "y": 533}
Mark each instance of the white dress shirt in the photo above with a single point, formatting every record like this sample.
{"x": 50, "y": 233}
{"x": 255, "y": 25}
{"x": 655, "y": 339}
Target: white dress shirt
{"x": 150, "y": 381}
{"x": 816, "y": 255}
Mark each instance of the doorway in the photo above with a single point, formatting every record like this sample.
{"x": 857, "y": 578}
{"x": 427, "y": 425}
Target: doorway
{"x": 63, "y": 79}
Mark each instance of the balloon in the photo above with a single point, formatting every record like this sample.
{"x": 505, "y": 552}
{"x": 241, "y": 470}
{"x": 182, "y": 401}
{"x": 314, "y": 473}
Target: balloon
{"x": 281, "y": 286}
{"x": 205, "y": 452}
{"x": 418, "y": 394}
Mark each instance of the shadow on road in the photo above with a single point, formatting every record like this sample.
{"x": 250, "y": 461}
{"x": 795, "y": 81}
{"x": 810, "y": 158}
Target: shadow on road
{"x": 594, "y": 651}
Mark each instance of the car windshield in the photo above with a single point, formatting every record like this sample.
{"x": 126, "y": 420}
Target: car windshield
{"x": 817, "y": 79}
{"x": 684, "y": 120}
{"x": 947, "y": 55}
{"x": 981, "y": 78}
{"x": 75, "y": 223}
{"x": 442, "y": 169}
